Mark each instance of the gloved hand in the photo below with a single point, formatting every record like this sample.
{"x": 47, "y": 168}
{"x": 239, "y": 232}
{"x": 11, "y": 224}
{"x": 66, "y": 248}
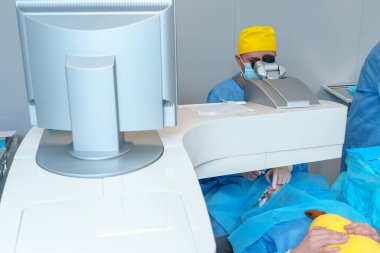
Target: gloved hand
{"x": 280, "y": 175}
{"x": 252, "y": 175}
{"x": 317, "y": 240}
{"x": 359, "y": 228}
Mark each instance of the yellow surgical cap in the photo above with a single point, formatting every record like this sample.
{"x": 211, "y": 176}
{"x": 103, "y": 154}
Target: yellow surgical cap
{"x": 257, "y": 38}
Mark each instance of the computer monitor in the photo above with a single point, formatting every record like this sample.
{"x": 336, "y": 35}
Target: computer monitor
{"x": 97, "y": 69}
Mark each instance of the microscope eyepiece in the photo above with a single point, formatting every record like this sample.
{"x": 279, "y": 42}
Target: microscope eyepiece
{"x": 268, "y": 58}
{"x": 253, "y": 62}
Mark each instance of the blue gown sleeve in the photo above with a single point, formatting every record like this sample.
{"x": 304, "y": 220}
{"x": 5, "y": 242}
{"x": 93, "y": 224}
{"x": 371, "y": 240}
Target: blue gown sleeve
{"x": 302, "y": 167}
{"x": 363, "y": 128}
{"x": 228, "y": 90}
{"x": 213, "y": 98}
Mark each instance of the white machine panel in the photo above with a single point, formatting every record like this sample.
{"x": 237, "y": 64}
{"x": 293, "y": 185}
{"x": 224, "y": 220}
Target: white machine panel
{"x": 134, "y": 223}
{"x": 221, "y": 144}
{"x": 159, "y": 208}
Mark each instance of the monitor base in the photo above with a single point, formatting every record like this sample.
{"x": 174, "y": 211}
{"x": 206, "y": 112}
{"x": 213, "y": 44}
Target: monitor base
{"x": 53, "y": 155}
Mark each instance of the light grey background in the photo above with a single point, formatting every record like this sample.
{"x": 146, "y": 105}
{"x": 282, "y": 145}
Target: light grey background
{"x": 14, "y": 113}
{"x": 369, "y": 33}
{"x": 318, "y": 41}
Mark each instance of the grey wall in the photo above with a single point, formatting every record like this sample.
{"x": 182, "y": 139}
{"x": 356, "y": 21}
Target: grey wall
{"x": 205, "y": 41}
{"x": 13, "y": 107}
{"x": 318, "y": 41}
{"x": 369, "y": 33}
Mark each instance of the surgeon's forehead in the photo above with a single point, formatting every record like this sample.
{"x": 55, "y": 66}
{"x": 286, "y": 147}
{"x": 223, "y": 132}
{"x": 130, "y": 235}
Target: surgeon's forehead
{"x": 247, "y": 57}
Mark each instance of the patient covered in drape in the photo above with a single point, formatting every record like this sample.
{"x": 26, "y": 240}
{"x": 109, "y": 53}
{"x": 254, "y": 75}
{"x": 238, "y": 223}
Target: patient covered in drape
{"x": 237, "y": 210}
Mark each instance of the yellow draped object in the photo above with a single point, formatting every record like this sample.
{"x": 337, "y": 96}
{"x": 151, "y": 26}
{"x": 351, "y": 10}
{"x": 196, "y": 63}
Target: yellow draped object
{"x": 355, "y": 244}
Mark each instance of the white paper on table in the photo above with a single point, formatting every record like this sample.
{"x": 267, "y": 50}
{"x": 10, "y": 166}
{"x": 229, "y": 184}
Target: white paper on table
{"x": 221, "y": 109}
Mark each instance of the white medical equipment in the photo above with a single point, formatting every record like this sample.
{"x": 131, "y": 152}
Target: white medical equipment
{"x": 341, "y": 90}
{"x": 159, "y": 208}
{"x": 288, "y": 92}
{"x": 275, "y": 89}
{"x": 268, "y": 68}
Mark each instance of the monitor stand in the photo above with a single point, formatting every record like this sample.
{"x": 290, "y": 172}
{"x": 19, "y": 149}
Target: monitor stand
{"x": 53, "y": 155}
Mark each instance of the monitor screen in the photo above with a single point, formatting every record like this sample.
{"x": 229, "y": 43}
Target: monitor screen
{"x": 99, "y": 68}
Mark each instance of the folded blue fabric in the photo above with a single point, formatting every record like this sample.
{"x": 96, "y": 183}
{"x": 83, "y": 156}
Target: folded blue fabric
{"x": 282, "y": 237}
{"x": 360, "y": 185}
{"x": 352, "y": 90}
{"x": 3, "y": 144}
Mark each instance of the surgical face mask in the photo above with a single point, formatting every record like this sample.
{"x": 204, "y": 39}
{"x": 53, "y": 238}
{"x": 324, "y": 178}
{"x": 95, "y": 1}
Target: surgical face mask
{"x": 249, "y": 72}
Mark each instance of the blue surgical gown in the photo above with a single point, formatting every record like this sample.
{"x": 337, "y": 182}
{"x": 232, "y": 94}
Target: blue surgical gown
{"x": 228, "y": 90}
{"x": 363, "y": 125}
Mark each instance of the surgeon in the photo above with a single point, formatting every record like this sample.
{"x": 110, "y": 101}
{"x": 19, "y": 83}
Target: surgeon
{"x": 254, "y": 42}
{"x": 363, "y": 125}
